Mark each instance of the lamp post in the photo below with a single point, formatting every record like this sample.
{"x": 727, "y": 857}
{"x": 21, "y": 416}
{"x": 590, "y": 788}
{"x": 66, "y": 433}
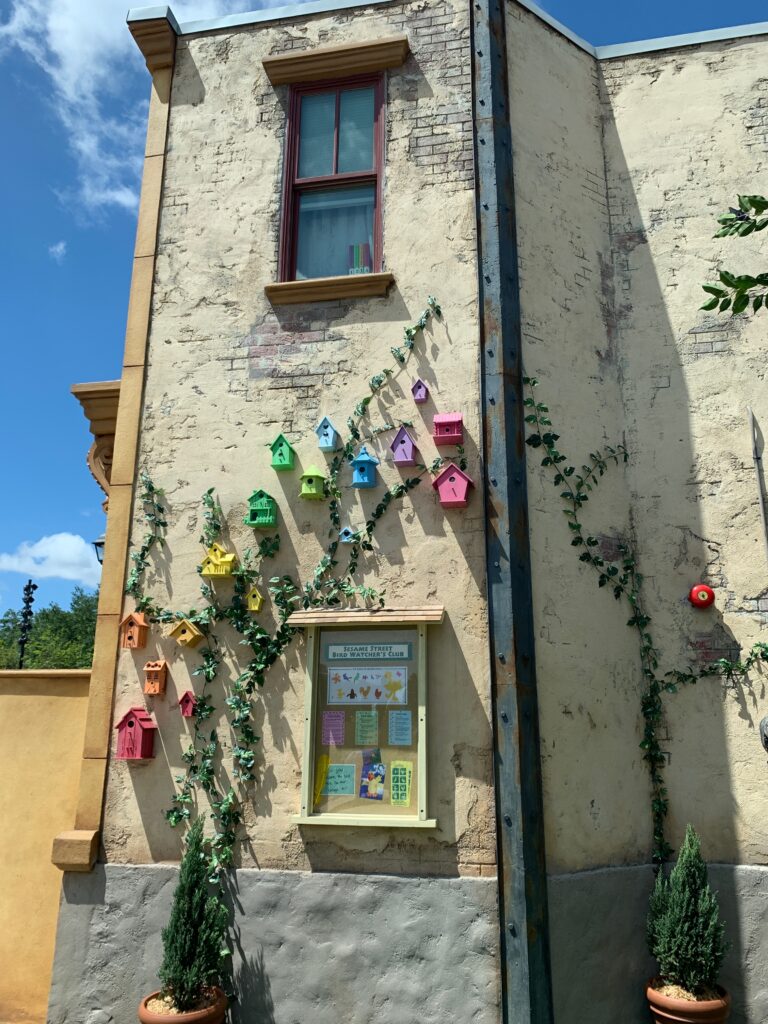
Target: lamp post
{"x": 26, "y": 618}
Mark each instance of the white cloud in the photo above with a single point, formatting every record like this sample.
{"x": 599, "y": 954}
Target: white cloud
{"x": 65, "y": 556}
{"x": 97, "y": 84}
{"x": 58, "y": 251}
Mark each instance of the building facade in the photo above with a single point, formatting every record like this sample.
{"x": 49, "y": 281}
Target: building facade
{"x": 312, "y": 177}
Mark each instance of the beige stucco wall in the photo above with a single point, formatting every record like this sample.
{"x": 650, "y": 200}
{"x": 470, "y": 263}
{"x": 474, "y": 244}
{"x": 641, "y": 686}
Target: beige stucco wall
{"x": 226, "y": 372}
{"x": 42, "y": 721}
{"x": 620, "y": 169}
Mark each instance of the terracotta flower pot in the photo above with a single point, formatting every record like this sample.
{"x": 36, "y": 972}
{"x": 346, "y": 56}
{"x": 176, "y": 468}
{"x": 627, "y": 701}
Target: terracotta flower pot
{"x": 210, "y": 1015}
{"x": 666, "y": 1010}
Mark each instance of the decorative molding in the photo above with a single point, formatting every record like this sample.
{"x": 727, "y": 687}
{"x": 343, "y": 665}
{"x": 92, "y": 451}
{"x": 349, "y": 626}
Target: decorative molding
{"x": 323, "y": 289}
{"x": 429, "y": 614}
{"x": 100, "y": 401}
{"x": 156, "y": 38}
{"x": 325, "y": 62}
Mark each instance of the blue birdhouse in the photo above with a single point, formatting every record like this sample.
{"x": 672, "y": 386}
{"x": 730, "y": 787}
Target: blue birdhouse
{"x": 327, "y": 435}
{"x": 364, "y": 469}
{"x": 347, "y": 535}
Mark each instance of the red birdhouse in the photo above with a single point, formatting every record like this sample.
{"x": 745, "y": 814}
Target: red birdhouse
{"x": 701, "y": 596}
{"x": 133, "y": 631}
{"x": 448, "y": 428}
{"x": 155, "y": 674}
{"x": 452, "y": 486}
{"x": 187, "y": 703}
{"x": 135, "y": 736}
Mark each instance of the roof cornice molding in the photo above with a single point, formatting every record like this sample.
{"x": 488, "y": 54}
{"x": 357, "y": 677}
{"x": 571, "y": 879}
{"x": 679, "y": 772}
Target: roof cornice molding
{"x": 155, "y": 30}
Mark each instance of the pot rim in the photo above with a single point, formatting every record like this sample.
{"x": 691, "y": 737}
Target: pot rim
{"x": 190, "y": 1017}
{"x": 672, "y": 1003}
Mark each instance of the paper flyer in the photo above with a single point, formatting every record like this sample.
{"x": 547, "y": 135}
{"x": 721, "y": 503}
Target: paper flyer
{"x": 400, "y": 775}
{"x": 400, "y": 729}
{"x": 366, "y": 685}
{"x": 333, "y": 728}
{"x": 366, "y": 728}
{"x": 340, "y": 780}
{"x": 373, "y": 775}
{"x": 321, "y": 773}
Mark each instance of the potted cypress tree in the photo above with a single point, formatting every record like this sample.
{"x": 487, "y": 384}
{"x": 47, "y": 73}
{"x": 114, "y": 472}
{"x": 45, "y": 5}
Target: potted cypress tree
{"x": 686, "y": 937}
{"x": 194, "y": 945}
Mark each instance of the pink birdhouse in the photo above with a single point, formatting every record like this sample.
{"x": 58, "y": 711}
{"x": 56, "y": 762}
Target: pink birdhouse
{"x": 447, "y": 429}
{"x": 404, "y": 448}
{"x": 133, "y": 631}
{"x": 187, "y": 704}
{"x": 452, "y": 486}
{"x": 420, "y": 392}
{"x": 135, "y": 736}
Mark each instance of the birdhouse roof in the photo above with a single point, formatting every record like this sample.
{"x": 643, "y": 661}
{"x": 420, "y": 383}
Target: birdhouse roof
{"x": 364, "y": 456}
{"x": 185, "y": 623}
{"x": 152, "y": 666}
{"x": 186, "y": 696}
{"x": 253, "y": 591}
{"x": 452, "y": 468}
{"x": 323, "y": 424}
{"x": 218, "y": 554}
{"x": 280, "y": 440}
{"x": 138, "y": 618}
{"x": 447, "y": 417}
{"x": 402, "y": 432}
{"x": 143, "y": 718}
{"x": 260, "y": 496}
{"x": 418, "y": 384}
{"x": 312, "y": 471}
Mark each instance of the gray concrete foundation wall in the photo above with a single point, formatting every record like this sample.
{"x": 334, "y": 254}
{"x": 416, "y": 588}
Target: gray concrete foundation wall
{"x": 599, "y": 957}
{"x": 309, "y": 948}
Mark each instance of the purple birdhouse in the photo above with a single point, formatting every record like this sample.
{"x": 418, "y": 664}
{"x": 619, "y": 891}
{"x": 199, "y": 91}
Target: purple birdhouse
{"x": 404, "y": 448}
{"x": 452, "y": 486}
{"x": 420, "y": 392}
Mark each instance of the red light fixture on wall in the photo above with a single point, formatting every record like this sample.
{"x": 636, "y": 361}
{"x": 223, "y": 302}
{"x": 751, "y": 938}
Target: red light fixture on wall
{"x": 701, "y": 596}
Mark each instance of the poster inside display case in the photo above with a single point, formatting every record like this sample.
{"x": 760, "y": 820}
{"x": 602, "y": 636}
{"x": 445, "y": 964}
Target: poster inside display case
{"x": 366, "y": 738}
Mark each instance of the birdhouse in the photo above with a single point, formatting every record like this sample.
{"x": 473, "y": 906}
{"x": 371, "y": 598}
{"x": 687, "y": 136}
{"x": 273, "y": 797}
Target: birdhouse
{"x": 283, "y": 455}
{"x": 701, "y": 596}
{"x": 347, "y": 535}
{"x": 452, "y": 486}
{"x": 218, "y": 562}
{"x": 254, "y": 600}
{"x": 404, "y": 448}
{"x": 135, "y": 736}
{"x": 187, "y": 704}
{"x": 327, "y": 435}
{"x": 186, "y": 633}
{"x": 133, "y": 631}
{"x": 420, "y": 392}
{"x": 313, "y": 484}
{"x": 448, "y": 428}
{"x": 364, "y": 469}
{"x": 155, "y": 675}
{"x": 262, "y": 511}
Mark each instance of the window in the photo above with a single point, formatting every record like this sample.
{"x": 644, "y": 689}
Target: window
{"x": 331, "y": 209}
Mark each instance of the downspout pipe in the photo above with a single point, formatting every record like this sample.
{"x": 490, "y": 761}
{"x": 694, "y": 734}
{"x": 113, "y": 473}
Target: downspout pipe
{"x": 525, "y": 962}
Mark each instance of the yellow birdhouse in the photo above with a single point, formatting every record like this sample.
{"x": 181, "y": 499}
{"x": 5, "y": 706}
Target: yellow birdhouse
{"x": 218, "y": 562}
{"x": 312, "y": 484}
{"x": 254, "y": 600}
{"x": 186, "y": 633}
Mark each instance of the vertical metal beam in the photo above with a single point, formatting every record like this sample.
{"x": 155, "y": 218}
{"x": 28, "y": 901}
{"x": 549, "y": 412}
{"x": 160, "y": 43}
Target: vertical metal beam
{"x": 526, "y": 974}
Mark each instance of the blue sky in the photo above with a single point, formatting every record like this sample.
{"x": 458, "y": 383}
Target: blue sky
{"x": 72, "y": 109}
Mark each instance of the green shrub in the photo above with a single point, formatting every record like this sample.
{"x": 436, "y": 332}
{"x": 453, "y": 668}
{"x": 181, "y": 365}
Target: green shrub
{"x": 194, "y": 941}
{"x": 685, "y": 934}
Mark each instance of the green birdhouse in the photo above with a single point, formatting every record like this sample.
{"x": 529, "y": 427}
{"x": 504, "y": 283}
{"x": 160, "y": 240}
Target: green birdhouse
{"x": 283, "y": 454}
{"x": 262, "y": 511}
{"x": 312, "y": 484}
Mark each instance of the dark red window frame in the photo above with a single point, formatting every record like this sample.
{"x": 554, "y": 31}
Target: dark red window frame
{"x": 293, "y": 186}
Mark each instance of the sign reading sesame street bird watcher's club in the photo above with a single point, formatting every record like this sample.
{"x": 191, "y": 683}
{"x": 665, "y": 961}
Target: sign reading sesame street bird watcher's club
{"x": 368, "y": 652}
{"x": 367, "y": 685}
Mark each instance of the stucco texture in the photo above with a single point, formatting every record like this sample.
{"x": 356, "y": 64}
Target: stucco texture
{"x": 227, "y": 372}
{"x": 42, "y": 721}
{"x": 330, "y": 948}
{"x": 620, "y": 170}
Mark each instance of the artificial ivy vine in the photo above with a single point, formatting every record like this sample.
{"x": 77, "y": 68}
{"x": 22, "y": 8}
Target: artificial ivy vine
{"x": 626, "y": 584}
{"x": 325, "y": 588}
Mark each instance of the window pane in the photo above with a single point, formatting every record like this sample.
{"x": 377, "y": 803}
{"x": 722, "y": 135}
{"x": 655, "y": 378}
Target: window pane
{"x": 335, "y": 232}
{"x": 356, "y": 130}
{"x": 318, "y": 115}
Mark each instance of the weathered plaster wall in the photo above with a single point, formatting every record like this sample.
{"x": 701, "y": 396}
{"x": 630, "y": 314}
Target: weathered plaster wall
{"x": 331, "y": 948}
{"x": 227, "y": 372}
{"x": 42, "y": 720}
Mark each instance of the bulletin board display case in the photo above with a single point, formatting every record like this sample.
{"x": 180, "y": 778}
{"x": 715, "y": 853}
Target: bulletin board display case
{"x": 365, "y": 743}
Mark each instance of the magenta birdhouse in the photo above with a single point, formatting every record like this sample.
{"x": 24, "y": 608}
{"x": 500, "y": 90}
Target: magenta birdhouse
{"x": 452, "y": 486}
{"x": 404, "y": 448}
{"x": 136, "y": 736}
{"x": 420, "y": 392}
{"x": 187, "y": 703}
{"x": 448, "y": 428}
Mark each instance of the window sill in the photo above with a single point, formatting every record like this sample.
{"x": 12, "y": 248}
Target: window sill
{"x": 325, "y": 289}
{"x": 370, "y": 820}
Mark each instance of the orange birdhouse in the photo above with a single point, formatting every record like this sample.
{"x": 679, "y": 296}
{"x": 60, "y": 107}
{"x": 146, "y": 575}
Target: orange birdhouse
{"x": 155, "y": 675}
{"x": 133, "y": 631}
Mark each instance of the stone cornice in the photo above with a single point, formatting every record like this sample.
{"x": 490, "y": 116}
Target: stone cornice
{"x": 156, "y": 38}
